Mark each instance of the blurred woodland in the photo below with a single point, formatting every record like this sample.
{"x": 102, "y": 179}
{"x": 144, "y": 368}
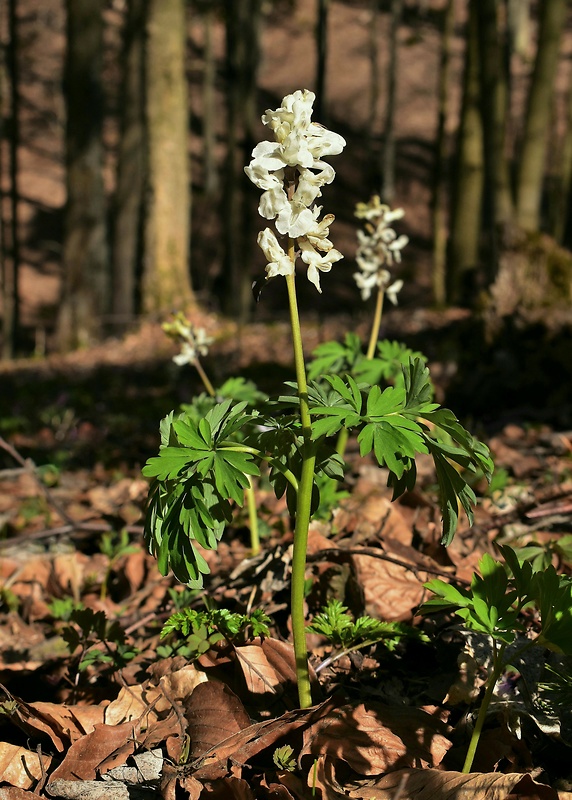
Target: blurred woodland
{"x": 126, "y": 125}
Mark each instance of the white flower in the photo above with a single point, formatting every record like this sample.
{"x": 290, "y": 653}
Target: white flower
{"x": 279, "y": 263}
{"x": 391, "y": 291}
{"x": 291, "y": 173}
{"x": 316, "y": 262}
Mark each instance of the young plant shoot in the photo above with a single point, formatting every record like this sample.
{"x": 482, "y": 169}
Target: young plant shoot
{"x": 205, "y": 463}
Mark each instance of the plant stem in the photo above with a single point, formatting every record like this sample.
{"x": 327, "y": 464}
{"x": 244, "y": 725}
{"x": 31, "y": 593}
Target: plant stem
{"x": 274, "y": 462}
{"x": 342, "y": 442}
{"x": 376, "y": 324}
{"x": 303, "y": 504}
{"x": 253, "y": 519}
{"x": 205, "y": 378}
{"x": 493, "y": 678}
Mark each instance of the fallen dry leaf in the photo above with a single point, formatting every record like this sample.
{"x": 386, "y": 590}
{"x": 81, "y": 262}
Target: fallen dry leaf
{"x": 213, "y": 713}
{"x": 105, "y": 747}
{"x": 260, "y": 676}
{"x": 60, "y": 723}
{"x": 428, "y": 784}
{"x": 14, "y": 793}
{"x": 373, "y": 738}
{"x": 20, "y": 767}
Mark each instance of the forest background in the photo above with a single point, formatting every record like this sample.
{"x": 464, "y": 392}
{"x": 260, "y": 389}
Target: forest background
{"x": 126, "y": 127}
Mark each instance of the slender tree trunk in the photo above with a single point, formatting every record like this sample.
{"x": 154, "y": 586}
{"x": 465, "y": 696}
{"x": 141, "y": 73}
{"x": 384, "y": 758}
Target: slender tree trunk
{"x": 531, "y": 170}
{"x": 562, "y": 180}
{"x": 11, "y": 265}
{"x": 320, "y": 105}
{"x": 499, "y": 207}
{"x": 439, "y": 200}
{"x": 129, "y": 195}
{"x": 86, "y": 279}
{"x": 388, "y": 145}
{"x": 166, "y": 277}
{"x": 242, "y": 54}
{"x": 518, "y": 21}
{"x": 209, "y": 116}
{"x": 373, "y": 52}
{"x": 467, "y": 191}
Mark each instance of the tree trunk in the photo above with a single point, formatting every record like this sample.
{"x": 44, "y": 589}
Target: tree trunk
{"x": 388, "y": 146}
{"x": 11, "y": 264}
{"x": 562, "y": 180}
{"x": 129, "y": 195}
{"x": 209, "y": 113}
{"x": 439, "y": 199}
{"x": 373, "y": 52}
{"x": 467, "y": 191}
{"x": 499, "y": 208}
{"x": 166, "y": 277}
{"x": 530, "y": 176}
{"x": 242, "y": 59}
{"x": 85, "y": 294}
{"x": 320, "y": 105}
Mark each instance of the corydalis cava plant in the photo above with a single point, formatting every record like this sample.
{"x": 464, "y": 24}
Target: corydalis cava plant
{"x": 204, "y": 465}
{"x": 291, "y": 172}
{"x": 379, "y": 247}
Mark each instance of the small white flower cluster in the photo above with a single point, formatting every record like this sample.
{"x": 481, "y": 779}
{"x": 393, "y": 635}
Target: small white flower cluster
{"x": 194, "y": 342}
{"x": 291, "y": 173}
{"x": 379, "y": 248}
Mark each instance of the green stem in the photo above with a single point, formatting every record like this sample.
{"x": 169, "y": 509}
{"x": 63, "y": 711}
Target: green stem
{"x": 253, "y": 519}
{"x": 205, "y": 378}
{"x": 493, "y": 678}
{"x": 376, "y": 324}
{"x": 274, "y": 462}
{"x": 342, "y": 442}
{"x": 303, "y": 504}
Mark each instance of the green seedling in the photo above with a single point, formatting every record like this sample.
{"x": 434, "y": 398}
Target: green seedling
{"x": 114, "y": 546}
{"x": 348, "y": 635}
{"x": 205, "y": 465}
{"x": 201, "y": 630}
{"x": 94, "y": 640}
{"x": 284, "y": 758}
{"x": 493, "y": 605}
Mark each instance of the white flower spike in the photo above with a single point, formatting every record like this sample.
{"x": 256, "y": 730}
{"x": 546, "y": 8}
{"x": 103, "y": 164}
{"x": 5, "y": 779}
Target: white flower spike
{"x": 379, "y": 247}
{"x": 291, "y": 173}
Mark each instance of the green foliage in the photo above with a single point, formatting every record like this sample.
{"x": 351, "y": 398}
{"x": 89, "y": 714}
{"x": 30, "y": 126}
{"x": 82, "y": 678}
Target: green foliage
{"x": 542, "y": 555}
{"x": 203, "y": 629}
{"x": 62, "y": 608}
{"x": 496, "y": 597}
{"x": 399, "y": 423}
{"x": 198, "y": 473}
{"x": 337, "y": 625}
{"x": 90, "y": 631}
{"x": 347, "y": 357}
{"x": 115, "y": 545}
{"x": 284, "y": 758}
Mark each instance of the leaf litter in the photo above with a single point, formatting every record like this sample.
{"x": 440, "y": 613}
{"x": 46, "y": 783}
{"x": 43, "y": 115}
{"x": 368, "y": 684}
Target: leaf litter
{"x": 386, "y": 724}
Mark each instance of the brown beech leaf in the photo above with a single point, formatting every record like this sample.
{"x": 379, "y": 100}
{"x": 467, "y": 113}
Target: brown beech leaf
{"x": 249, "y": 742}
{"x": 14, "y": 793}
{"x": 227, "y": 789}
{"x": 281, "y": 658}
{"x": 373, "y": 738}
{"x": 260, "y": 676}
{"x": 213, "y": 713}
{"x": 105, "y": 747}
{"x": 391, "y": 592}
{"x": 62, "y": 724}
{"x": 427, "y": 784}
{"x": 20, "y": 767}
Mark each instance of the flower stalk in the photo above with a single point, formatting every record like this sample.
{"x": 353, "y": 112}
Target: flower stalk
{"x": 291, "y": 173}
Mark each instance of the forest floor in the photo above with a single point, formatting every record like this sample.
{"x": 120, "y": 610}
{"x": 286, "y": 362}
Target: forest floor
{"x": 93, "y": 702}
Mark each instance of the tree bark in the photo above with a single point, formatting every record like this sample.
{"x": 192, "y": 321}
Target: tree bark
{"x": 129, "y": 194}
{"x": 530, "y": 176}
{"x": 166, "y": 277}
{"x": 86, "y": 279}
{"x": 499, "y": 207}
{"x": 439, "y": 199}
{"x": 467, "y": 191}
{"x": 320, "y": 105}
{"x": 209, "y": 114}
{"x": 387, "y": 191}
{"x": 11, "y": 264}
